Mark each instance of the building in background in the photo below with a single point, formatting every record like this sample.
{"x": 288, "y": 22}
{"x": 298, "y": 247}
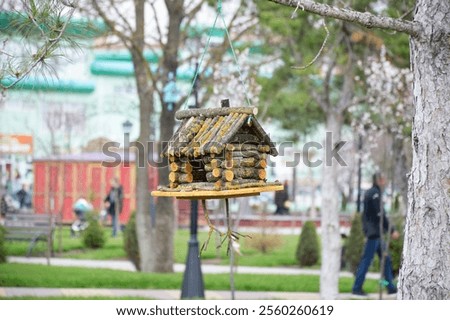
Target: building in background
{"x": 16, "y": 152}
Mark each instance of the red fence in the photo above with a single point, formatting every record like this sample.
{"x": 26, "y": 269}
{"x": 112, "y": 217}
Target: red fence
{"x": 59, "y": 182}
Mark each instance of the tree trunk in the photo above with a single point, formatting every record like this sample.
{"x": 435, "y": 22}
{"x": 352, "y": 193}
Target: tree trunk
{"x": 331, "y": 241}
{"x": 143, "y": 222}
{"x": 426, "y": 263}
{"x": 401, "y": 169}
{"x": 313, "y": 211}
{"x": 163, "y": 235}
{"x": 145, "y": 93}
{"x": 164, "y": 228}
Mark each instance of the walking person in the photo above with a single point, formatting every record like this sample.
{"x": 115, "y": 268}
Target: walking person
{"x": 113, "y": 203}
{"x": 282, "y": 200}
{"x": 373, "y": 210}
{"x": 24, "y": 197}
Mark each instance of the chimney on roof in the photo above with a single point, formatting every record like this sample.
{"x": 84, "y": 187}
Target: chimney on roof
{"x": 225, "y": 103}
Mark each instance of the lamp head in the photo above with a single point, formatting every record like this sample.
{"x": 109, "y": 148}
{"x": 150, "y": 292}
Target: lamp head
{"x": 127, "y": 125}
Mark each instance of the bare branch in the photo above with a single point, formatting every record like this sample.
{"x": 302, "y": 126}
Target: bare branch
{"x": 327, "y": 82}
{"x": 320, "y": 101}
{"x": 291, "y": 45}
{"x": 411, "y": 10}
{"x": 121, "y": 16}
{"x": 139, "y": 33}
{"x": 107, "y": 43}
{"x": 364, "y": 19}
{"x": 158, "y": 27}
{"x": 112, "y": 25}
{"x": 190, "y": 15}
{"x": 38, "y": 136}
{"x": 347, "y": 93}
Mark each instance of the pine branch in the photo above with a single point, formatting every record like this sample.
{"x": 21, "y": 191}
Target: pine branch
{"x": 49, "y": 45}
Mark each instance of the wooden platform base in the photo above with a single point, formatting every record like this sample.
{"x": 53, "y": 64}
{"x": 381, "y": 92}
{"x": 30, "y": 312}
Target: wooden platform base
{"x": 203, "y": 194}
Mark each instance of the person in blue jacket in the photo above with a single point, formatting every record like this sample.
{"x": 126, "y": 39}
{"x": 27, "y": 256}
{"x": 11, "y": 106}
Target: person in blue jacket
{"x": 80, "y": 208}
{"x": 373, "y": 211}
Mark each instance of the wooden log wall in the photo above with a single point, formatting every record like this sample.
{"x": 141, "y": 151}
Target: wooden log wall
{"x": 180, "y": 171}
{"x": 238, "y": 166}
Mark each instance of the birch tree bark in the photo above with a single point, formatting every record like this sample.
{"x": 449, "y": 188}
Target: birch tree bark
{"x": 334, "y": 112}
{"x": 401, "y": 171}
{"x": 331, "y": 242}
{"x": 426, "y": 254}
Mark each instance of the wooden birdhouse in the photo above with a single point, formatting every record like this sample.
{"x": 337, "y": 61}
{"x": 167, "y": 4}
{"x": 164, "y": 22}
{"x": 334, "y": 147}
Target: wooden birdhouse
{"x": 218, "y": 153}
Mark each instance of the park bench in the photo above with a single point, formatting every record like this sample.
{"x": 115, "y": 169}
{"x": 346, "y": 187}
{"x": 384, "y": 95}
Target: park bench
{"x": 30, "y": 227}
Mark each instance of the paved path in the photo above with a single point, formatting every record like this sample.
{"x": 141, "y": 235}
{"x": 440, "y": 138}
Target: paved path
{"x": 161, "y": 294}
{"x": 153, "y": 294}
{"x": 206, "y": 268}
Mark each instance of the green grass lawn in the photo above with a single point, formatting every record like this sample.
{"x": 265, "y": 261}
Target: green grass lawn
{"x": 27, "y": 275}
{"x": 283, "y": 255}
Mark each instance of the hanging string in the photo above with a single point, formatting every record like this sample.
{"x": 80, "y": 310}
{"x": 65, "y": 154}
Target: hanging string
{"x": 208, "y": 42}
{"x": 241, "y": 78}
{"x": 197, "y": 71}
{"x": 324, "y": 43}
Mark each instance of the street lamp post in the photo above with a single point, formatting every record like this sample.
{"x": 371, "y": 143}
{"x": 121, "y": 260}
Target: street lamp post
{"x": 358, "y": 203}
{"x": 170, "y": 92}
{"x": 193, "y": 286}
{"x": 126, "y": 126}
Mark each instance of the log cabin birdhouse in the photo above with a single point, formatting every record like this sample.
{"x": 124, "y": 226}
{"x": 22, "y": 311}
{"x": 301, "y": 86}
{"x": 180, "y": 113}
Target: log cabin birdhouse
{"x": 218, "y": 153}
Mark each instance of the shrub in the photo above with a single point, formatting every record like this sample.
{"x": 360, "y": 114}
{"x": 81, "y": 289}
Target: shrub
{"x": 130, "y": 242}
{"x": 2, "y": 245}
{"x": 308, "y": 245}
{"x": 396, "y": 246}
{"x": 265, "y": 243}
{"x": 355, "y": 244}
{"x": 395, "y": 250}
{"x": 93, "y": 235}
